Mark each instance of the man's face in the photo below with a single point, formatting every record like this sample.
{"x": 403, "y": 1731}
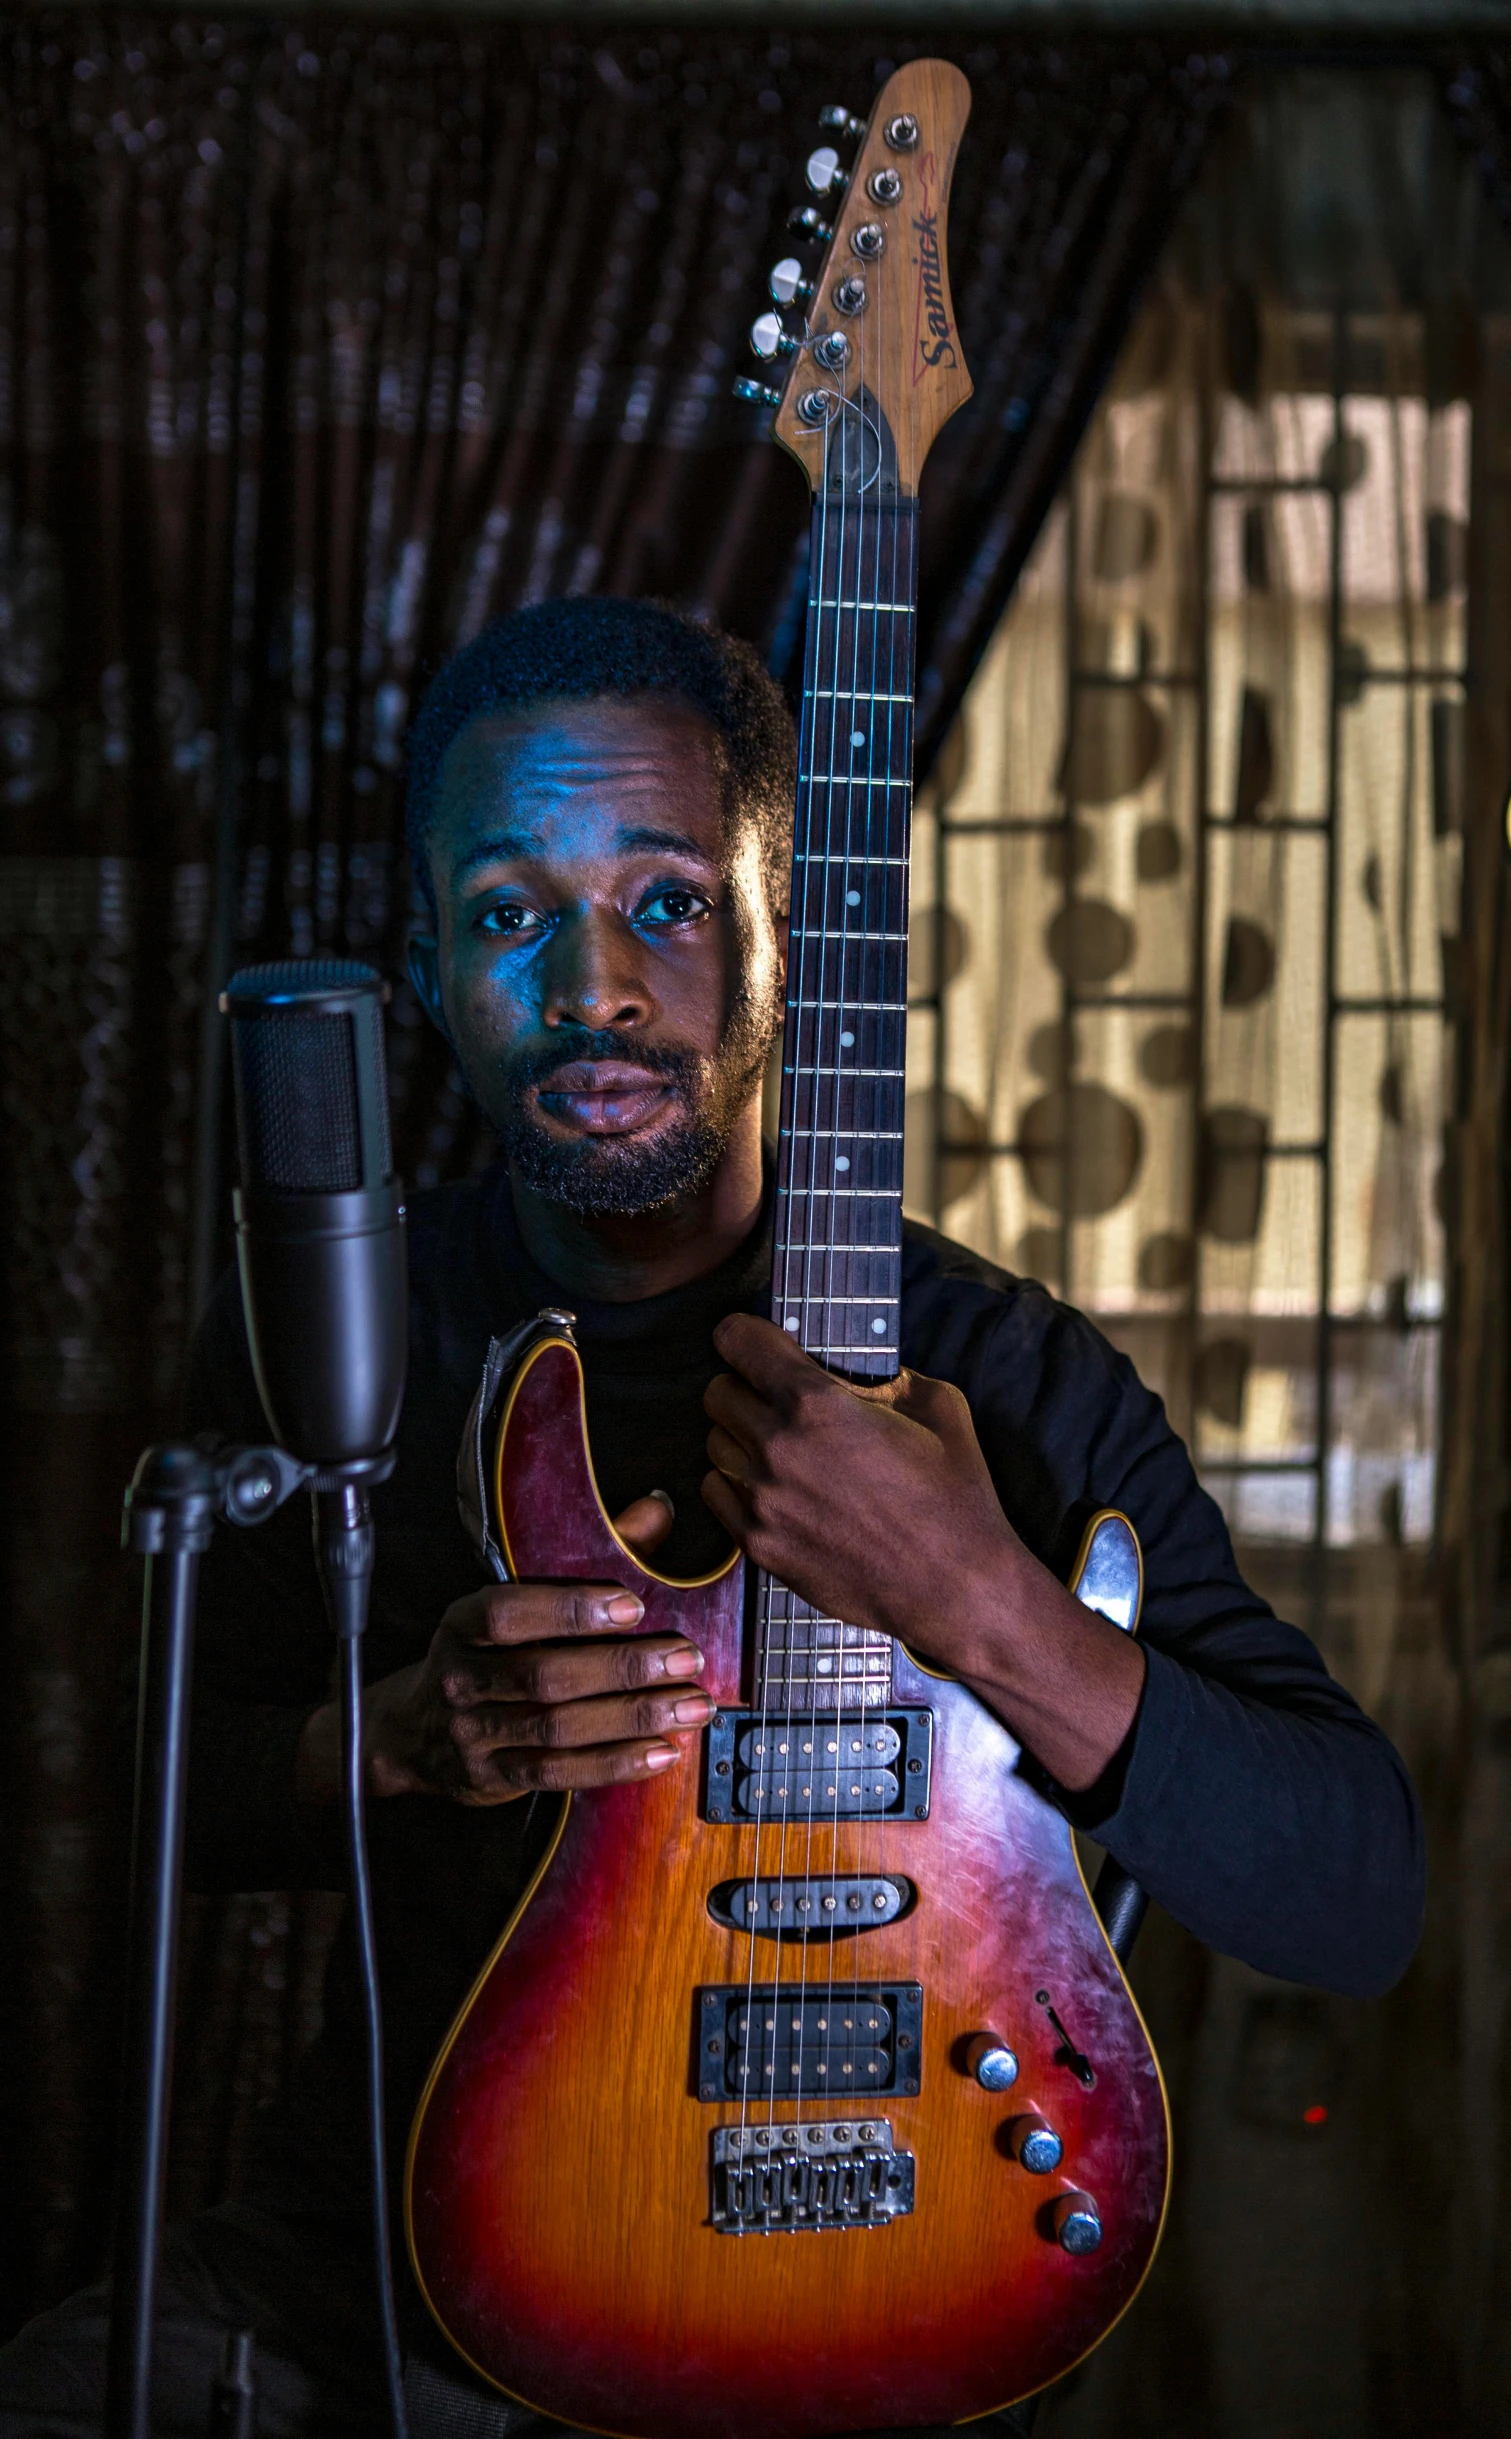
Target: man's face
{"x": 607, "y": 963}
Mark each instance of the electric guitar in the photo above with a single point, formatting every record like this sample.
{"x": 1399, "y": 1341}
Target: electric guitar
{"x": 845, "y": 1978}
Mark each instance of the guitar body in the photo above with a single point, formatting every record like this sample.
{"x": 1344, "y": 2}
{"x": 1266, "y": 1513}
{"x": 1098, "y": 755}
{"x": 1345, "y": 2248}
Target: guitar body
{"x": 561, "y": 2192}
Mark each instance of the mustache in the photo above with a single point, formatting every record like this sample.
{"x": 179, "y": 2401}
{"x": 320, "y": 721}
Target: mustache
{"x": 536, "y": 1067}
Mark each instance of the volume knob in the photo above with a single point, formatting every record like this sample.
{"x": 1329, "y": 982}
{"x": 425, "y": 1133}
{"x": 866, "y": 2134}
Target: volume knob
{"x": 991, "y": 2062}
{"x": 1035, "y": 2145}
{"x": 1077, "y": 2223}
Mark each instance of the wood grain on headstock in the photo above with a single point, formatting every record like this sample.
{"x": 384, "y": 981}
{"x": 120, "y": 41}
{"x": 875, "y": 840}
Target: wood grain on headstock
{"x": 906, "y": 348}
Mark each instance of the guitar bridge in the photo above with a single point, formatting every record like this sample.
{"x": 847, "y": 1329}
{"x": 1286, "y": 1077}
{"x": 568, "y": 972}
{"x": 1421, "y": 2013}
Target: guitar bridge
{"x": 775, "y": 2180}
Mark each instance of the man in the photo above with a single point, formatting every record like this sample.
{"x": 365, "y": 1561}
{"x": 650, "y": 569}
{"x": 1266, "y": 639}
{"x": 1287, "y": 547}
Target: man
{"x": 600, "y": 796}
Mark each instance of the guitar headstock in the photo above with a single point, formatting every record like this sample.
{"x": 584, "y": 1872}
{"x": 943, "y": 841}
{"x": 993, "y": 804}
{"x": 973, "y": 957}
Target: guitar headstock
{"x": 868, "y": 338}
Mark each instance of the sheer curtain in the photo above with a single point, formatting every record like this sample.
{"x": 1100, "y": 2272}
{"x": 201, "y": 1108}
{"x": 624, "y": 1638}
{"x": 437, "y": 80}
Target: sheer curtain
{"x": 1209, "y": 1035}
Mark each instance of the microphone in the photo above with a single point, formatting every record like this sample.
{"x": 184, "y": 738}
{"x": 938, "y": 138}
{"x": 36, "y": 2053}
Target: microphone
{"x": 320, "y": 1246}
{"x": 319, "y": 1219}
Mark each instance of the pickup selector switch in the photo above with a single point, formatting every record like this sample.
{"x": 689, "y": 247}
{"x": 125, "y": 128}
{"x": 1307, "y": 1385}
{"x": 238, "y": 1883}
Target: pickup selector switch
{"x": 991, "y": 2062}
{"x": 1077, "y": 2223}
{"x": 1035, "y": 2145}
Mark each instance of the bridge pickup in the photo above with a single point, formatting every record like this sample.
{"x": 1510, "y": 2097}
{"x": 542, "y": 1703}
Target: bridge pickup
{"x": 815, "y": 1770}
{"x": 811, "y": 1909}
{"x": 809, "y": 2039}
{"x": 775, "y": 2180}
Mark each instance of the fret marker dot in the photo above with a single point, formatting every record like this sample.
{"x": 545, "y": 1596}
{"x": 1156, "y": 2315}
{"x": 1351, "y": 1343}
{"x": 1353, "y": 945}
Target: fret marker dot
{"x": 857, "y": 736}
{"x": 791, "y": 1322}
{"x": 852, "y": 897}
{"x": 880, "y": 1327}
{"x": 847, "y": 1041}
{"x": 842, "y": 1162}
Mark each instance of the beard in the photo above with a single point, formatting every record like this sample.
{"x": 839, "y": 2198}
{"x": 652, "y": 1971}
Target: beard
{"x": 617, "y": 1176}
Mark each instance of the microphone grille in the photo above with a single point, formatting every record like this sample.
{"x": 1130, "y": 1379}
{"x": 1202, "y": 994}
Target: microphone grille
{"x": 311, "y": 1086}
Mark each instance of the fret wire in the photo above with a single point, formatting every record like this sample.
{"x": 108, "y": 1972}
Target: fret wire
{"x": 826, "y": 1299}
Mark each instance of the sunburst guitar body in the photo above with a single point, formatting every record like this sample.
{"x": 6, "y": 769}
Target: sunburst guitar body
{"x": 803, "y": 2094}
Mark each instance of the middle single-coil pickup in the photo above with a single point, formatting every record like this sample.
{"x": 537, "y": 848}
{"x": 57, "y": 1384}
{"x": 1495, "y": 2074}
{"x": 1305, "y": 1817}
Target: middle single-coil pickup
{"x": 801, "y": 1768}
{"x": 809, "y": 2038}
{"x": 811, "y": 1908}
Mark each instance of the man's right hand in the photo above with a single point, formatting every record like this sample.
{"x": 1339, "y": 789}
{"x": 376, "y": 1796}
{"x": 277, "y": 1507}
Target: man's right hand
{"x": 525, "y": 1687}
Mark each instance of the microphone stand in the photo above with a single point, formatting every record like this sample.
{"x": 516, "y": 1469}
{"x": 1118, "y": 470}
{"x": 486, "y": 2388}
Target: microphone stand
{"x": 178, "y": 1491}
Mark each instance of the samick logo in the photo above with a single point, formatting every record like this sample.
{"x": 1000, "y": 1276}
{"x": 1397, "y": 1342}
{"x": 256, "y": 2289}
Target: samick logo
{"x": 933, "y": 337}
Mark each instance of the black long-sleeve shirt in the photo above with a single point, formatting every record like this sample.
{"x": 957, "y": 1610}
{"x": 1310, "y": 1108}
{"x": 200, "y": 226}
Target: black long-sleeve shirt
{"x": 1252, "y": 1798}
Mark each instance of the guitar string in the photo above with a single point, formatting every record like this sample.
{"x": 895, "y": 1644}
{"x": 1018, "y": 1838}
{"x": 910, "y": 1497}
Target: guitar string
{"x": 886, "y": 1091}
{"x": 776, "y": 1596}
{"x": 870, "y": 1843}
{"x": 836, "y": 871}
{"x": 844, "y": 1105}
{"x": 824, "y": 819}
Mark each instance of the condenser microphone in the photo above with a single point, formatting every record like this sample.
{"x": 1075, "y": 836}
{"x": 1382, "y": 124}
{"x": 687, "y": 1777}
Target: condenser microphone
{"x": 319, "y": 1219}
{"x": 320, "y": 1243}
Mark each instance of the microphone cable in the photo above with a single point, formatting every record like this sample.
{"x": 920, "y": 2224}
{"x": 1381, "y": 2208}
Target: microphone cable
{"x": 346, "y": 1554}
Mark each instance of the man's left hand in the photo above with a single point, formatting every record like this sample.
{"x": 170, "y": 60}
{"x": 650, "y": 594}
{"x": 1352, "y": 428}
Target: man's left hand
{"x": 874, "y": 1504}
{"x": 867, "y": 1500}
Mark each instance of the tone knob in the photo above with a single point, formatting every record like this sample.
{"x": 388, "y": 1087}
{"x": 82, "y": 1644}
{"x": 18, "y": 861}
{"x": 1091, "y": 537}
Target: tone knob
{"x": 1077, "y": 2223}
{"x": 768, "y": 339}
{"x": 823, "y": 172}
{"x": 991, "y": 2062}
{"x": 756, "y": 393}
{"x": 787, "y": 285}
{"x": 1035, "y": 2145}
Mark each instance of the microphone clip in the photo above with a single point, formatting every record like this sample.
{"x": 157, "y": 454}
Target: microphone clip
{"x": 179, "y": 1489}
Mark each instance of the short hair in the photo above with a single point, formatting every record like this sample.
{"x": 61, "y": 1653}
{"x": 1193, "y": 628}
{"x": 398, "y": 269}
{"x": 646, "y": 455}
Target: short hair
{"x": 591, "y": 645}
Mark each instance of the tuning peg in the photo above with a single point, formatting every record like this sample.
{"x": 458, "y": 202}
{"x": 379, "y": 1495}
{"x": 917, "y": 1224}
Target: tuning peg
{"x": 823, "y": 172}
{"x": 787, "y": 285}
{"x": 756, "y": 393}
{"x": 810, "y": 225}
{"x": 839, "y": 121}
{"x": 768, "y": 339}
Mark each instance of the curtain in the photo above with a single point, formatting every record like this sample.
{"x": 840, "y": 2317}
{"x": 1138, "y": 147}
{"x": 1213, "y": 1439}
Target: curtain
{"x": 317, "y": 347}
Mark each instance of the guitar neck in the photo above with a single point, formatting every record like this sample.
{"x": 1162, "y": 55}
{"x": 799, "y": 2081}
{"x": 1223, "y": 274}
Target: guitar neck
{"x": 838, "y": 1242}
{"x": 837, "y": 1261}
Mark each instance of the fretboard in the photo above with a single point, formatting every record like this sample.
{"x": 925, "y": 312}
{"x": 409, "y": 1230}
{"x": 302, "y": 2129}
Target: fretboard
{"x": 839, "y": 1180}
{"x": 837, "y": 1265}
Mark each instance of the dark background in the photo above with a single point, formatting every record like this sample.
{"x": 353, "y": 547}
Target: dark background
{"x": 320, "y": 341}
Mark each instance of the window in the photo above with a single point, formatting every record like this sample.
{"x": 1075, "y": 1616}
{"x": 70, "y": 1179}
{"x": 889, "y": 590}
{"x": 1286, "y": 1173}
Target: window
{"x": 1185, "y": 881}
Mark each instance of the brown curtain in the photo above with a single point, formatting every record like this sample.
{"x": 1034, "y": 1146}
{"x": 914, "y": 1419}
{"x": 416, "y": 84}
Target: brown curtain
{"x": 316, "y": 348}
